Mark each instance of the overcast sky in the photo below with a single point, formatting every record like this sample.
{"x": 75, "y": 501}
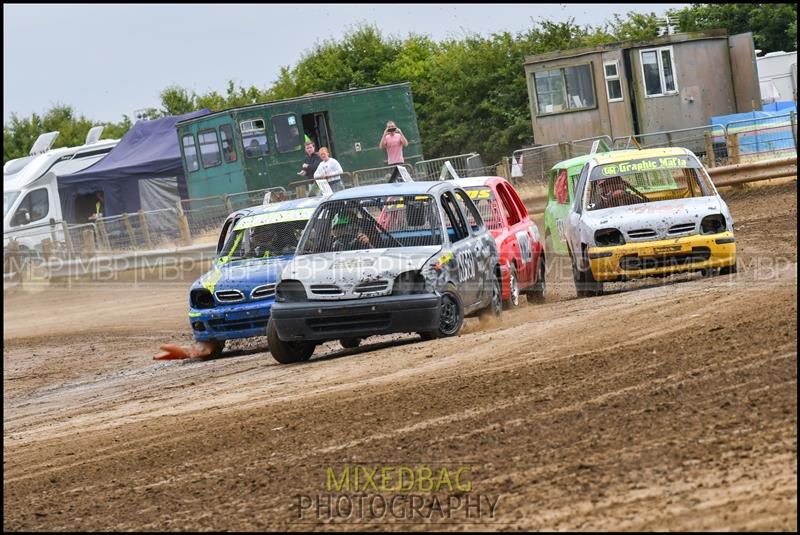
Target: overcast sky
{"x": 106, "y": 61}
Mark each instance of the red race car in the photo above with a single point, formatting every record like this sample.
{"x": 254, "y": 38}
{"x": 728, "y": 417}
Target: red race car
{"x": 518, "y": 242}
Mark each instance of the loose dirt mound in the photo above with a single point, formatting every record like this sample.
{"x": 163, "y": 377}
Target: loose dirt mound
{"x": 665, "y": 405}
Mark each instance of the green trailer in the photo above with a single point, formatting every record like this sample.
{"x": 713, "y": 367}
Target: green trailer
{"x": 261, "y": 145}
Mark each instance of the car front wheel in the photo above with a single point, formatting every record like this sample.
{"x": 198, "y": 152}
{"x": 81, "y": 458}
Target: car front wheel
{"x": 350, "y": 343}
{"x": 287, "y": 352}
{"x": 585, "y": 284}
{"x": 451, "y": 315}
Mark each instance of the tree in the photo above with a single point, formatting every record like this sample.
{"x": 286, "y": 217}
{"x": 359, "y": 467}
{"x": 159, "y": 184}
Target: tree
{"x": 20, "y": 133}
{"x": 774, "y": 26}
{"x": 470, "y": 94}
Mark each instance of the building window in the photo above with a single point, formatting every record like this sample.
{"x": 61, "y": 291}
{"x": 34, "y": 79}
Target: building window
{"x": 254, "y": 138}
{"x": 613, "y": 83}
{"x": 209, "y": 148}
{"x": 658, "y": 72}
{"x": 549, "y": 91}
{"x": 565, "y": 89}
{"x": 287, "y": 133}
{"x": 190, "y": 153}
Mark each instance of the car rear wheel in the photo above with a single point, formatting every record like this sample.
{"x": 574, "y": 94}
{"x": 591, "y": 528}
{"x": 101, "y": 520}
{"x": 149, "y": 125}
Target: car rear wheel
{"x": 491, "y": 313}
{"x": 513, "y": 289}
{"x": 548, "y": 244}
{"x": 287, "y": 352}
{"x": 451, "y": 315}
{"x": 537, "y": 291}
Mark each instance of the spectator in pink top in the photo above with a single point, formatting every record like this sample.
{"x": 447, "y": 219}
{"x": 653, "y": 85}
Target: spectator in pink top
{"x": 393, "y": 141}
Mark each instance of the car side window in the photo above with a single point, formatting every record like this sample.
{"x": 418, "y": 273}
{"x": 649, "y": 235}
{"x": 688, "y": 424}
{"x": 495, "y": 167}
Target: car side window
{"x": 579, "y": 192}
{"x": 512, "y": 193}
{"x": 473, "y": 215}
{"x": 509, "y": 209}
{"x": 562, "y": 187}
{"x": 225, "y": 233}
{"x": 454, "y": 220}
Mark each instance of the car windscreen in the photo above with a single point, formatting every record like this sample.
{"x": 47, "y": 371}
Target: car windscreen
{"x": 487, "y": 206}
{"x": 384, "y": 221}
{"x": 252, "y": 240}
{"x": 645, "y": 180}
{"x": 8, "y": 199}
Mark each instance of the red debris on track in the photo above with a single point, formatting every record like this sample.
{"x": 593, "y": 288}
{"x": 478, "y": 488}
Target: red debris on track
{"x": 196, "y": 350}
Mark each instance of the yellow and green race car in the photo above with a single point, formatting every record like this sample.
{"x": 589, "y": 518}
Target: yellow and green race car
{"x": 644, "y": 213}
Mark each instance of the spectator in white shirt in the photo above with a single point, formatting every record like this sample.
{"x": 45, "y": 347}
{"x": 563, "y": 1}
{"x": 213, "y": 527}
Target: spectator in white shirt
{"x": 330, "y": 170}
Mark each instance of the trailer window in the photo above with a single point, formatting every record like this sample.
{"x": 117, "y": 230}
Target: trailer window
{"x": 287, "y": 133}
{"x": 209, "y": 148}
{"x": 254, "y": 138}
{"x": 190, "y": 152}
{"x": 228, "y": 146}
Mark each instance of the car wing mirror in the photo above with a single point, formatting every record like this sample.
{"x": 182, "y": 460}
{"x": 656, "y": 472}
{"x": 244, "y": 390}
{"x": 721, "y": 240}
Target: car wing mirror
{"x": 22, "y": 217}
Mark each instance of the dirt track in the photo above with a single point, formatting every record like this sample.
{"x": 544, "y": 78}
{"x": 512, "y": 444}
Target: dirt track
{"x": 659, "y": 406}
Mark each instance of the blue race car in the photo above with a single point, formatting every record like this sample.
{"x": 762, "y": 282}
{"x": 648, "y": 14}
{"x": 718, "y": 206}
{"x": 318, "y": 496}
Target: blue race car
{"x": 234, "y": 299}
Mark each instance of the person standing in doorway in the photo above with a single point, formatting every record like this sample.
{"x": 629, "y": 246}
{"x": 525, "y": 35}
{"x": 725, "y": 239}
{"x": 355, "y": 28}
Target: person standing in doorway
{"x": 98, "y": 206}
{"x": 330, "y": 170}
{"x": 393, "y": 141}
{"x": 311, "y": 160}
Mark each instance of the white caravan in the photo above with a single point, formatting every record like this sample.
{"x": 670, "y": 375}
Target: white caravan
{"x": 31, "y": 203}
{"x": 777, "y": 75}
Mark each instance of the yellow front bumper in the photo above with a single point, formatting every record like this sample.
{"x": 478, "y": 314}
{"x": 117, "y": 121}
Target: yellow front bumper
{"x": 667, "y": 256}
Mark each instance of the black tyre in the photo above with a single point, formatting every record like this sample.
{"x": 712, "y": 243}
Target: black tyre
{"x": 287, "y": 352}
{"x": 219, "y": 345}
{"x": 491, "y": 313}
{"x": 585, "y": 284}
{"x": 548, "y": 245}
{"x": 513, "y": 287}
{"x": 538, "y": 290}
{"x": 350, "y": 343}
{"x": 728, "y": 270}
{"x": 451, "y": 315}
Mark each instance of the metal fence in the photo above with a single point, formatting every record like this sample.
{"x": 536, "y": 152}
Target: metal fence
{"x": 469, "y": 164}
{"x": 740, "y": 141}
{"x": 377, "y": 175}
{"x": 198, "y": 220}
{"x": 762, "y": 138}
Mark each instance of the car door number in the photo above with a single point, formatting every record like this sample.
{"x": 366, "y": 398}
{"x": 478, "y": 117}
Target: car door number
{"x": 525, "y": 250}
{"x": 466, "y": 265}
{"x": 560, "y": 228}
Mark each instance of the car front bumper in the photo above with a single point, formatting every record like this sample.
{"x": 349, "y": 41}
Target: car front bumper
{"x": 240, "y": 320}
{"x": 662, "y": 257}
{"x": 356, "y": 318}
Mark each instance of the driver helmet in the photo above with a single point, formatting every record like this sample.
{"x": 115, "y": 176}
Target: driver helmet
{"x": 343, "y": 220}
